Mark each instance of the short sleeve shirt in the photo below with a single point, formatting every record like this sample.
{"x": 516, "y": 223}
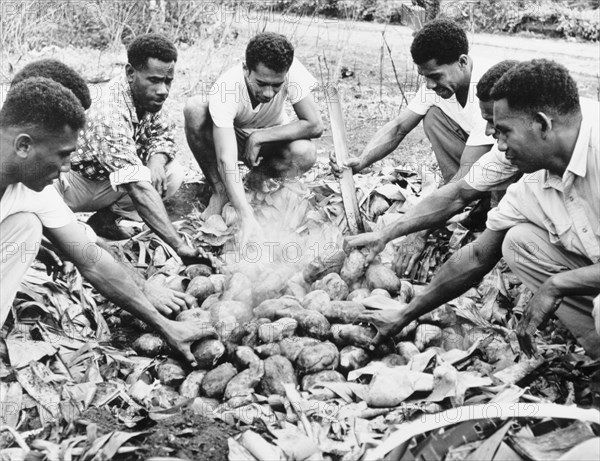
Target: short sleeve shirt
{"x": 115, "y": 145}
{"x": 467, "y": 117}
{"x": 47, "y": 205}
{"x": 230, "y": 105}
{"x": 491, "y": 172}
{"x": 567, "y": 207}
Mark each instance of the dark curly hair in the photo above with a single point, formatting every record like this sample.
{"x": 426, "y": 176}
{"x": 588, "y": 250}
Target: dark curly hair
{"x": 59, "y": 72}
{"x": 149, "y": 46}
{"x": 43, "y": 103}
{"x": 539, "y": 85}
{"x": 489, "y": 79}
{"x": 442, "y": 40}
{"x": 274, "y": 51}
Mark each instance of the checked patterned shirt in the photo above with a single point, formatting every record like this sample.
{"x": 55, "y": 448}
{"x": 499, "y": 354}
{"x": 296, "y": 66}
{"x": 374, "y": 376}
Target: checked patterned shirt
{"x": 114, "y": 144}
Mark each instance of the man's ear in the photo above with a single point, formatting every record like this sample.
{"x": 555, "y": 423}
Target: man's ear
{"x": 463, "y": 60}
{"x": 545, "y": 123}
{"x": 23, "y": 145}
{"x": 246, "y": 69}
{"x": 129, "y": 72}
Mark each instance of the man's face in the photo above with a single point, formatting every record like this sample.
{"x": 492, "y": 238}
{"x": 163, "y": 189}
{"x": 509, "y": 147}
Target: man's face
{"x": 49, "y": 156}
{"x": 487, "y": 113}
{"x": 263, "y": 83}
{"x": 518, "y": 136}
{"x": 445, "y": 79}
{"x": 150, "y": 85}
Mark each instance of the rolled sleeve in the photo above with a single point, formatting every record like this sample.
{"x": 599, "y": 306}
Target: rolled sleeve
{"x": 491, "y": 172}
{"x": 128, "y": 175}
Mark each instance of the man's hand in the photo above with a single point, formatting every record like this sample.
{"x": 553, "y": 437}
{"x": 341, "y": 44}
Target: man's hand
{"x": 353, "y": 163}
{"x": 374, "y": 241}
{"x": 408, "y": 253}
{"x": 165, "y": 300}
{"x": 181, "y": 336}
{"x": 156, "y": 164}
{"x": 540, "y": 308}
{"x": 250, "y": 231}
{"x": 191, "y": 255}
{"x": 252, "y": 151}
{"x": 54, "y": 266}
{"x": 386, "y": 322}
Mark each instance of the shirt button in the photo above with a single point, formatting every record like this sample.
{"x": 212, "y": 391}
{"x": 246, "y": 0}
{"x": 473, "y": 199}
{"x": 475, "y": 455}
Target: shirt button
{"x": 584, "y": 230}
{"x": 571, "y": 198}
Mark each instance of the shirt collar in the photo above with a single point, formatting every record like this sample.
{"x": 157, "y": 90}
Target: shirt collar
{"x": 127, "y": 98}
{"x": 578, "y": 163}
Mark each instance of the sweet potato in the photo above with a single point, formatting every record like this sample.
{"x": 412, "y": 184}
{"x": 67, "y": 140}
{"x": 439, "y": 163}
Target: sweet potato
{"x": 394, "y": 360}
{"x": 215, "y": 381}
{"x": 194, "y": 314}
{"x": 353, "y": 267}
{"x": 208, "y": 352}
{"x": 294, "y": 289}
{"x": 267, "y": 350}
{"x": 269, "y": 286}
{"x": 406, "y": 293}
{"x": 427, "y": 336}
{"x": 243, "y": 357}
{"x": 210, "y": 301}
{"x": 241, "y": 311}
{"x": 311, "y": 323}
{"x": 406, "y": 350}
{"x": 218, "y": 281}
{"x": 269, "y": 307}
{"x": 452, "y": 337}
{"x": 170, "y": 373}
{"x": 354, "y": 335}
{"x": 276, "y": 331}
{"x": 149, "y": 345}
{"x": 380, "y": 292}
{"x": 333, "y": 284}
{"x": 352, "y": 358}
{"x": 194, "y": 270}
{"x": 244, "y": 382}
{"x": 319, "y": 357}
{"x": 229, "y": 329}
{"x": 190, "y": 387}
{"x": 250, "y": 337}
{"x": 315, "y": 300}
{"x": 358, "y": 294}
{"x": 200, "y": 288}
{"x": 278, "y": 371}
{"x": 321, "y": 266}
{"x": 325, "y": 376}
{"x": 177, "y": 282}
{"x": 291, "y": 347}
{"x": 342, "y": 311}
{"x": 380, "y": 276}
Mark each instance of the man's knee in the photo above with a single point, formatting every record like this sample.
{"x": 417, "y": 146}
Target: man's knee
{"x": 520, "y": 245}
{"x": 304, "y": 155}
{"x": 21, "y": 236}
{"x": 431, "y": 121}
{"x": 195, "y": 113}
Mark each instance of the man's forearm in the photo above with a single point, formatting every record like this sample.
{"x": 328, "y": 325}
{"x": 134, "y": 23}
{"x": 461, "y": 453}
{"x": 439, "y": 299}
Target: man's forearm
{"x": 383, "y": 143}
{"x": 116, "y": 284}
{"x": 231, "y": 177}
{"x": 150, "y": 207}
{"x": 463, "y": 270}
{"x": 300, "y": 129}
{"x": 429, "y": 213}
{"x": 577, "y": 282}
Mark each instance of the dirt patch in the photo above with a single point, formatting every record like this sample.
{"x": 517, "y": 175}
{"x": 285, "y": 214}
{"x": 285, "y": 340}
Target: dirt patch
{"x": 185, "y": 435}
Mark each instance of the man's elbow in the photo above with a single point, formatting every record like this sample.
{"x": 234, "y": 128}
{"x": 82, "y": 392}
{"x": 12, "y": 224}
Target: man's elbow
{"x": 138, "y": 189}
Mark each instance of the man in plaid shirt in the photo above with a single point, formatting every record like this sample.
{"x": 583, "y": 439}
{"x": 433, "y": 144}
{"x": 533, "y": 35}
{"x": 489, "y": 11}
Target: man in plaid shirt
{"x": 124, "y": 164}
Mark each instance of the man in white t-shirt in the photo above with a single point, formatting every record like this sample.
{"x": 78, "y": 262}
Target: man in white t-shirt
{"x": 492, "y": 172}
{"x": 39, "y": 124}
{"x": 244, "y": 118}
{"x": 446, "y": 103}
{"x": 547, "y": 226}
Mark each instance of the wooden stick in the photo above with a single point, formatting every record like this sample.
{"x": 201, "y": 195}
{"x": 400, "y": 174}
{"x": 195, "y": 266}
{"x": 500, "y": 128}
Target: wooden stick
{"x": 338, "y": 131}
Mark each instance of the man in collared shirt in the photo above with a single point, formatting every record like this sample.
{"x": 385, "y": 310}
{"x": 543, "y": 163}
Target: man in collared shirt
{"x": 125, "y": 163}
{"x": 547, "y": 226}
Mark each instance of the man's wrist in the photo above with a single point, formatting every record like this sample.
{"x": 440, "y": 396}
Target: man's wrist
{"x": 552, "y": 287}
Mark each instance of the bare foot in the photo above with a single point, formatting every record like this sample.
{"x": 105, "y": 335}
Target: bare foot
{"x": 104, "y": 223}
{"x": 215, "y": 205}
